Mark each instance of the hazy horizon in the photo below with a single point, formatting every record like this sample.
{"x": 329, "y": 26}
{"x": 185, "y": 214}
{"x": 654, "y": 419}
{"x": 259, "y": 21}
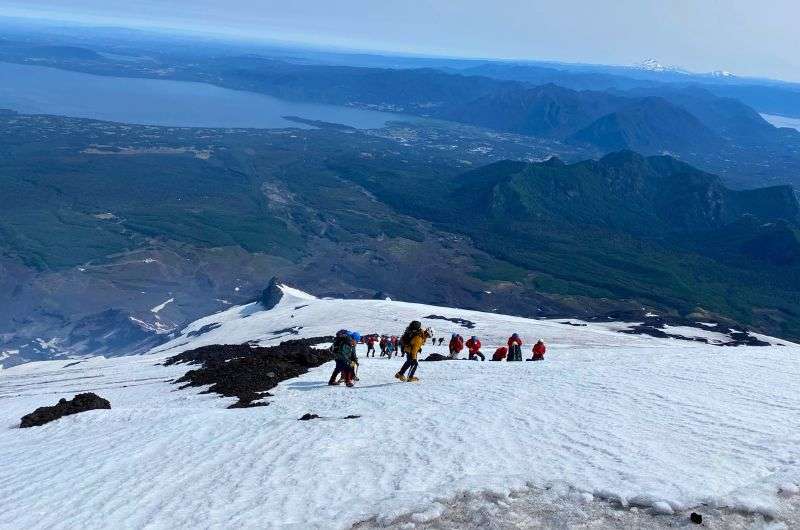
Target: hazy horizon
{"x": 744, "y": 39}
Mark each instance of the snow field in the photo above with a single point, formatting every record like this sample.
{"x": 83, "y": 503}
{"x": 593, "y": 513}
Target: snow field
{"x": 659, "y": 424}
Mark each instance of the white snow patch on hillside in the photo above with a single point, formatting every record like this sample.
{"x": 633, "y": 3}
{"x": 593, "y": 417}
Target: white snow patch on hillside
{"x": 157, "y": 327}
{"x": 50, "y": 344}
{"x": 291, "y": 292}
{"x": 161, "y": 306}
{"x": 711, "y": 336}
{"x": 648, "y": 422}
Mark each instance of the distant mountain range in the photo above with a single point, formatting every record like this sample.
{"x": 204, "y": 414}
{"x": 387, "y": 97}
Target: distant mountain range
{"x": 655, "y": 196}
{"x": 653, "y": 65}
{"x": 649, "y": 125}
{"x": 707, "y": 120}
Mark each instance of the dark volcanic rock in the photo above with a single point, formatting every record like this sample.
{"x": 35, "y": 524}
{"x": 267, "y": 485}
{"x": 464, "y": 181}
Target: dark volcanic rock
{"x": 308, "y": 416}
{"x": 272, "y": 294}
{"x": 696, "y": 518}
{"x": 654, "y": 325}
{"x": 294, "y": 330}
{"x": 203, "y": 330}
{"x": 436, "y": 357}
{"x": 80, "y": 403}
{"x": 463, "y": 322}
{"x": 247, "y": 372}
{"x": 653, "y": 331}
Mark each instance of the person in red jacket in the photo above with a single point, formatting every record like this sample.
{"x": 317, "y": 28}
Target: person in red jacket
{"x": 370, "y": 340}
{"x": 514, "y": 348}
{"x": 538, "y": 351}
{"x": 456, "y": 345}
{"x": 382, "y": 344}
{"x": 474, "y": 349}
{"x": 395, "y": 343}
{"x": 500, "y": 354}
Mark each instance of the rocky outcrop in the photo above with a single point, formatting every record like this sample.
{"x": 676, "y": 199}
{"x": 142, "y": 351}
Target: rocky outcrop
{"x": 272, "y": 294}
{"x": 247, "y": 372}
{"x": 80, "y": 403}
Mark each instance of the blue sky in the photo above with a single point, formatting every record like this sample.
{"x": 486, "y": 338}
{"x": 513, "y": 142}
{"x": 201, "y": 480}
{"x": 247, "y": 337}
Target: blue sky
{"x": 746, "y": 37}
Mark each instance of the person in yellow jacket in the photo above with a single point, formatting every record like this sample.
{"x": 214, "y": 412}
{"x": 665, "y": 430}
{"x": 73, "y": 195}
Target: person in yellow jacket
{"x": 413, "y": 340}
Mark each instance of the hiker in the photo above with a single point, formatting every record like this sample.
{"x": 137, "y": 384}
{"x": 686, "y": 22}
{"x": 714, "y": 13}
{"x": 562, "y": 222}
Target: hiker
{"x": 433, "y": 341}
{"x": 354, "y": 358}
{"x": 395, "y": 345}
{"x": 441, "y": 341}
{"x": 456, "y": 345}
{"x": 382, "y": 343}
{"x": 514, "y": 348}
{"x": 344, "y": 353}
{"x": 474, "y": 349}
{"x": 412, "y": 341}
{"x": 370, "y": 340}
{"x": 500, "y": 354}
{"x": 538, "y": 351}
{"x": 390, "y": 346}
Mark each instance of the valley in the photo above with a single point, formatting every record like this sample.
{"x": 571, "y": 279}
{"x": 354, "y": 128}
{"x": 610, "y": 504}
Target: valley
{"x": 107, "y": 221}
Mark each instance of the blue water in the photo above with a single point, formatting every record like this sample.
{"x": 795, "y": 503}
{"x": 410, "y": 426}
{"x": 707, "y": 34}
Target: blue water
{"x": 782, "y": 121}
{"x": 40, "y": 90}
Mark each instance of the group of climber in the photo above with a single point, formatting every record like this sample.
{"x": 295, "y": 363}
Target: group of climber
{"x": 344, "y": 352}
{"x": 410, "y": 345}
{"x": 512, "y": 352}
{"x": 387, "y": 344}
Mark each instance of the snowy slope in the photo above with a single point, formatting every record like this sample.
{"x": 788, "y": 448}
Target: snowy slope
{"x": 645, "y": 421}
{"x": 300, "y": 315}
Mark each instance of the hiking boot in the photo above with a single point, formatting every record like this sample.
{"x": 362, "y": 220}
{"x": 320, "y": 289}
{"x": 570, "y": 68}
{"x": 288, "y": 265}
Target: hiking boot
{"x": 349, "y": 385}
{"x": 399, "y": 376}
{"x": 334, "y": 383}
{"x": 412, "y": 379}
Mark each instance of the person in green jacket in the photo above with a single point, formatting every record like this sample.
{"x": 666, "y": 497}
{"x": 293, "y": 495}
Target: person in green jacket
{"x": 344, "y": 354}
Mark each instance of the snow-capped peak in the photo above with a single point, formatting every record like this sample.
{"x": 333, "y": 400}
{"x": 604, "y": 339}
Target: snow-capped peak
{"x": 295, "y": 293}
{"x": 652, "y": 65}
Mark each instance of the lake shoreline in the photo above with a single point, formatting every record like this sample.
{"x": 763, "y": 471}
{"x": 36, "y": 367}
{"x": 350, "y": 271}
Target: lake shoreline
{"x": 33, "y": 89}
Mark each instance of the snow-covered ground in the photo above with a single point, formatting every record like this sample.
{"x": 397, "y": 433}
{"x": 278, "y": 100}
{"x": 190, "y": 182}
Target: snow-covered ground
{"x": 661, "y": 424}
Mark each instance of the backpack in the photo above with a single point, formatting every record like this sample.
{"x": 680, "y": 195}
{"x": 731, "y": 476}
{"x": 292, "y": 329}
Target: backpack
{"x": 340, "y": 341}
{"x": 413, "y": 329}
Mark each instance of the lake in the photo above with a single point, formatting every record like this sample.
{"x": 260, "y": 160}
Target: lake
{"x": 782, "y": 121}
{"x": 40, "y": 90}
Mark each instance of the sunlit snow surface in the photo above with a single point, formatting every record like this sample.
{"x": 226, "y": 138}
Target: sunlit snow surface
{"x": 630, "y": 418}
